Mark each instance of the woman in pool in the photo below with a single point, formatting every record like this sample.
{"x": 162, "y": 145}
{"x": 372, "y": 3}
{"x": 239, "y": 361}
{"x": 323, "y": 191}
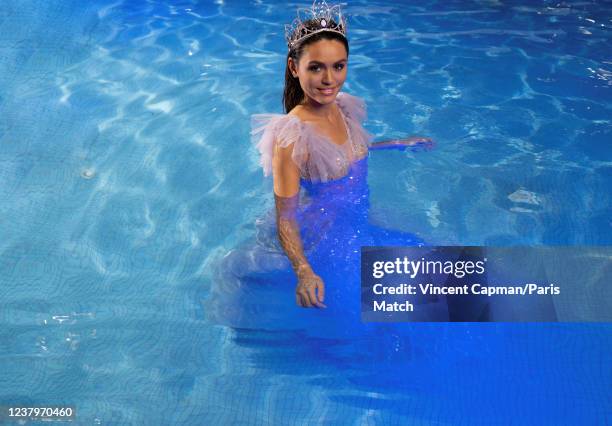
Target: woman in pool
{"x": 320, "y": 145}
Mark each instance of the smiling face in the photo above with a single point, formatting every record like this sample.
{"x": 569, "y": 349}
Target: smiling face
{"x": 321, "y": 70}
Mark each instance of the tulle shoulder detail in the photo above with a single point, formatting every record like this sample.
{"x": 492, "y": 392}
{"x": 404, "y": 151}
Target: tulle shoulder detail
{"x": 355, "y": 111}
{"x": 318, "y": 158}
{"x": 352, "y": 106}
{"x": 268, "y": 129}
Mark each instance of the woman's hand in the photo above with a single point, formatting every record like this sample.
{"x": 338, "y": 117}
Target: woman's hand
{"x": 310, "y": 290}
{"x": 417, "y": 141}
{"x": 402, "y": 144}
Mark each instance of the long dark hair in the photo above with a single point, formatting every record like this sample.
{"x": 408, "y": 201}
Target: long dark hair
{"x": 293, "y": 94}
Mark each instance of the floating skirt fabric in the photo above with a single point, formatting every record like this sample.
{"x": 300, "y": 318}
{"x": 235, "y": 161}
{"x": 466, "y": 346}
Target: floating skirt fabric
{"x": 254, "y": 285}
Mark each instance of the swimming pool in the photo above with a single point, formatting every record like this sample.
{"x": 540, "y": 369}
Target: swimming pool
{"x": 127, "y": 176}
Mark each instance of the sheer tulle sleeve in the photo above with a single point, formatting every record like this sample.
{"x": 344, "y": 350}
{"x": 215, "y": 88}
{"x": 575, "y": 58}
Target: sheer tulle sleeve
{"x": 284, "y": 129}
{"x": 355, "y": 111}
{"x": 318, "y": 158}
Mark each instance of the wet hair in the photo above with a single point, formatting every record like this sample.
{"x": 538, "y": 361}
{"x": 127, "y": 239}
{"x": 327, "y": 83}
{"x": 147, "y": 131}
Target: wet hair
{"x": 293, "y": 94}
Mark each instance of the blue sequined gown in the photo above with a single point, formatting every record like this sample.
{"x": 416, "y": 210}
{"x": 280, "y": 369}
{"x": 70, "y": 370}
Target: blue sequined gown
{"x": 254, "y": 285}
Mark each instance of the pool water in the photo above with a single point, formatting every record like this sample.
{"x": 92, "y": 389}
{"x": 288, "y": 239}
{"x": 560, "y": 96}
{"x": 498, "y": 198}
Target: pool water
{"x": 127, "y": 176}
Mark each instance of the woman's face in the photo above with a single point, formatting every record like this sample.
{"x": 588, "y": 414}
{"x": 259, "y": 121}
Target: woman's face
{"x": 321, "y": 70}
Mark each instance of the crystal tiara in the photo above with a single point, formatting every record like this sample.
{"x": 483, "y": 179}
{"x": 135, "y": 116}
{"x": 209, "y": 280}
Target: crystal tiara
{"x": 324, "y": 17}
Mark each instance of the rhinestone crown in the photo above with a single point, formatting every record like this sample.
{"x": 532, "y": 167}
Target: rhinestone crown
{"x": 322, "y": 17}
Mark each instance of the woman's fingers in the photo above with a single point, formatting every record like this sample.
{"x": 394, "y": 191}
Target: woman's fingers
{"x": 306, "y": 301}
{"x": 306, "y": 294}
{"x": 313, "y": 298}
{"x": 428, "y": 143}
{"x": 320, "y": 294}
{"x": 321, "y": 291}
{"x": 317, "y": 298}
{"x": 422, "y": 142}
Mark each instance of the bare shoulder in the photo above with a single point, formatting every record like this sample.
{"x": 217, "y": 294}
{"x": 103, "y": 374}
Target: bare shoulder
{"x": 299, "y": 112}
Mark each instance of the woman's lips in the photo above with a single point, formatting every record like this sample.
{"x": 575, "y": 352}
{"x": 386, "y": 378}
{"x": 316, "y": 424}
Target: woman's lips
{"x": 327, "y": 91}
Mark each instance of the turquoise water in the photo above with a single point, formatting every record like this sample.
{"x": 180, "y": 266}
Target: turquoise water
{"x": 127, "y": 176}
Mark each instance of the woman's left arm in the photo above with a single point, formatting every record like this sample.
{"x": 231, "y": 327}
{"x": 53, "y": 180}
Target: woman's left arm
{"x": 401, "y": 144}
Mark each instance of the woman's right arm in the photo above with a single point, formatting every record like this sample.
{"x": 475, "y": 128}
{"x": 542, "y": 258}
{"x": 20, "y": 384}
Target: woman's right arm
{"x": 286, "y": 176}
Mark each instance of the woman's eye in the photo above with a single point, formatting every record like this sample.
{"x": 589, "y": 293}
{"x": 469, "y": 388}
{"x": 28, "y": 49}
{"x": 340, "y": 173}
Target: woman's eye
{"x": 317, "y": 67}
